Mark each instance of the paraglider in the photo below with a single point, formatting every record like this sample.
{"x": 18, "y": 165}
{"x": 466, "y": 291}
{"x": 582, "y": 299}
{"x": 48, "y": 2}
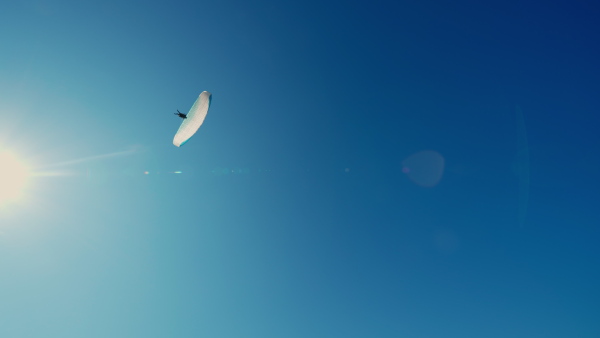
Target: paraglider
{"x": 193, "y": 119}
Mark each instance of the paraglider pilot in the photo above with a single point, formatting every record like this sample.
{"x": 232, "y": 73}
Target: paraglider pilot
{"x": 183, "y": 116}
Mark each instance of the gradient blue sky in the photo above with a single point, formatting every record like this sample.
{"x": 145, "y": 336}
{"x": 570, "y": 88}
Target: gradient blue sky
{"x": 292, "y": 216}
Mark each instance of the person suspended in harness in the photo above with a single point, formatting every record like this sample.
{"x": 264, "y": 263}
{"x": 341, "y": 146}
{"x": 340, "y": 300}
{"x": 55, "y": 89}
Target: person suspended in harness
{"x": 180, "y": 114}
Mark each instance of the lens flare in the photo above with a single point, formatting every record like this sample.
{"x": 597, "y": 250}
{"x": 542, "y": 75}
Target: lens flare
{"x": 425, "y": 168}
{"x": 14, "y": 175}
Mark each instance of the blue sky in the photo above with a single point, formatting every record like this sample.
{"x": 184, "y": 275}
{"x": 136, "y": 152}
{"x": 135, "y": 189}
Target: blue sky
{"x": 295, "y": 214}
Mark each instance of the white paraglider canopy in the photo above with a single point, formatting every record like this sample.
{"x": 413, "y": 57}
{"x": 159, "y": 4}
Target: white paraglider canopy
{"x": 193, "y": 121}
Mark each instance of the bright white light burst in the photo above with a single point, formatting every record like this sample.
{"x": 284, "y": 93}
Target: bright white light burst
{"x": 13, "y": 177}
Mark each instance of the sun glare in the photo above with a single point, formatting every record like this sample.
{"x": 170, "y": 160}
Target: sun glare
{"x": 13, "y": 177}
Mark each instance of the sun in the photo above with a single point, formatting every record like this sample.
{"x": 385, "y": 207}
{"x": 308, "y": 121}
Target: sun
{"x": 14, "y": 175}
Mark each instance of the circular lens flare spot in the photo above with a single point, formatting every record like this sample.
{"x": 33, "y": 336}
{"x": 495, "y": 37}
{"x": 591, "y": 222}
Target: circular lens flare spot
{"x": 13, "y": 177}
{"x": 425, "y": 168}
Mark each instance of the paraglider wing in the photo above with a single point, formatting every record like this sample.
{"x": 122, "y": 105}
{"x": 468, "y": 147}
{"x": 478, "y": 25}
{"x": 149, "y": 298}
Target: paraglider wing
{"x": 195, "y": 118}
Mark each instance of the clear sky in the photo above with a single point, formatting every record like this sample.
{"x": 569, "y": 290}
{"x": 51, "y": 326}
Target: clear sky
{"x": 406, "y": 169}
